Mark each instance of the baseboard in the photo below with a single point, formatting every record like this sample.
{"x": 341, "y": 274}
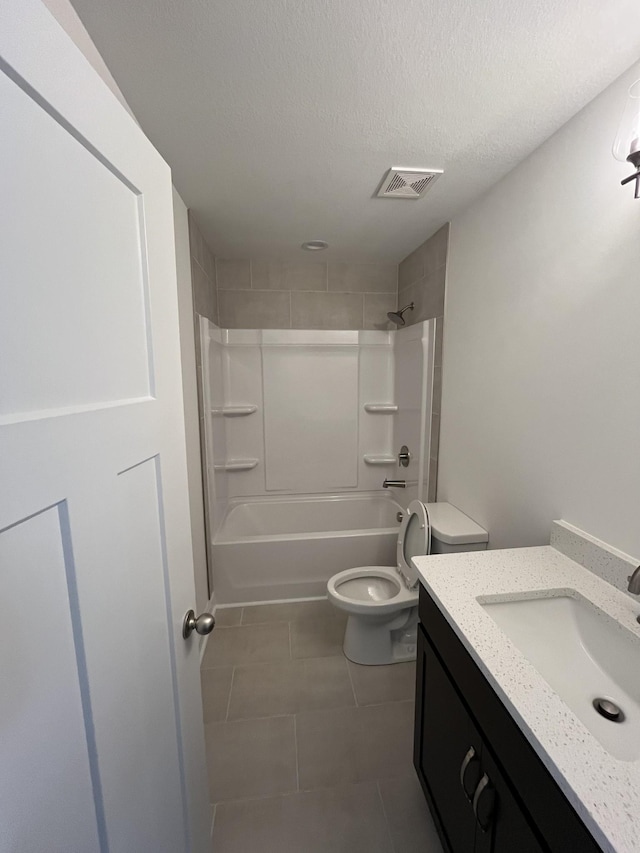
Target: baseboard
{"x": 270, "y": 601}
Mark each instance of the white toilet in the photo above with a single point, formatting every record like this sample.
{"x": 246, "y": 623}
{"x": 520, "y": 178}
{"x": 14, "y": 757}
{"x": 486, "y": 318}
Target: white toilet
{"x": 382, "y": 601}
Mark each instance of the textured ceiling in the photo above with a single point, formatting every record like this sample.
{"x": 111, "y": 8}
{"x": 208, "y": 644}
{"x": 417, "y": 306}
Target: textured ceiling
{"x": 280, "y": 117}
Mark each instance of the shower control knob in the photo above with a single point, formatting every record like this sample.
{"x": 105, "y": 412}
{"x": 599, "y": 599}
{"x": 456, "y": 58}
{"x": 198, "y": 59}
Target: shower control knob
{"x": 404, "y": 457}
{"x": 203, "y": 624}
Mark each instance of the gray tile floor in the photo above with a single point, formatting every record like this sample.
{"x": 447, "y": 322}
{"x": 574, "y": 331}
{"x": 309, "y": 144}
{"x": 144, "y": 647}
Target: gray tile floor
{"x": 307, "y": 752}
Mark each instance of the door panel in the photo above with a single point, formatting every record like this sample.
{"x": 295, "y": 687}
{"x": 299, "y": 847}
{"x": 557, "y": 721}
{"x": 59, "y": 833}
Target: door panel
{"x": 72, "y": 220}
{"x": 43, "y": 699}
{"x": 144, "y": 725}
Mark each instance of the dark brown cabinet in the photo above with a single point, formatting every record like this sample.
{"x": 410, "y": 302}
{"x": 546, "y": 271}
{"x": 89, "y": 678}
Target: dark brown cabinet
{"x": 487, "y": 790}
{"x": 477, "y": 812}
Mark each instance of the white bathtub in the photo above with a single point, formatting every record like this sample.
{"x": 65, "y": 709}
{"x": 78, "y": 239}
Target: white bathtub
{"x": 271, "y": 549}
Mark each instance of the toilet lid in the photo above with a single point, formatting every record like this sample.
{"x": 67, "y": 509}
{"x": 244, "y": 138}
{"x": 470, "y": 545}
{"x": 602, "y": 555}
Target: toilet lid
{"x": 413, "y": 540}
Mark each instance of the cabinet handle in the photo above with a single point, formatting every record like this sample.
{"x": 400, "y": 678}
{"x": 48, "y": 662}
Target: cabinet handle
{"x": 470, "y": 757}
{"x": 484, "y": 800}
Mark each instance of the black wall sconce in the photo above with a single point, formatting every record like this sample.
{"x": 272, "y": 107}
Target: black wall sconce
{"x": 626, "y": 146}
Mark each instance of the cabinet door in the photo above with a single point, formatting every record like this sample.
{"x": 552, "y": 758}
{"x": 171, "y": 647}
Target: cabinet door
{"x": 507, "y": 828}
{"x": 448, "y": 750}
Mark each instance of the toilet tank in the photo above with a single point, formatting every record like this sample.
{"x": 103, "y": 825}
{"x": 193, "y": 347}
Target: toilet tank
{"x": 453, "y": 531}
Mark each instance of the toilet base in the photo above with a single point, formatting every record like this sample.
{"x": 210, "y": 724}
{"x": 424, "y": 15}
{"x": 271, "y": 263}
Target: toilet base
{"x": 379, "y": 641}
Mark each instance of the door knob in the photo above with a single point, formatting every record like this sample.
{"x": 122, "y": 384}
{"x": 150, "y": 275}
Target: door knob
{"x": 203, "y": 624}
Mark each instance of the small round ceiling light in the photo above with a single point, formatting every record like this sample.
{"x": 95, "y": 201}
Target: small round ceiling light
{"x": 315, "y": 246}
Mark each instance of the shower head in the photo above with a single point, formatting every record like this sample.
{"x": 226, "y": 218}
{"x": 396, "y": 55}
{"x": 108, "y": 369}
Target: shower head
{"x": 396, "y": 316}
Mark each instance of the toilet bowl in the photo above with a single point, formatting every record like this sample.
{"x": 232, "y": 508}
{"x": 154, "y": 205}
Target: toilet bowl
{"x": 382, "y": 601}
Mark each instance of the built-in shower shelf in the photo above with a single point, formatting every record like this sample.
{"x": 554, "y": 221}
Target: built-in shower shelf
{"x": 380, "y": 408}
{"x": 234, "y": 411}
{"x": 236, "y": 465}
{"x": 378, "y": 459}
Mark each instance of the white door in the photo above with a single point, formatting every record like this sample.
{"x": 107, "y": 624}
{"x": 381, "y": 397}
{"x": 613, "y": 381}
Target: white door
{"x": 101, "y": 737}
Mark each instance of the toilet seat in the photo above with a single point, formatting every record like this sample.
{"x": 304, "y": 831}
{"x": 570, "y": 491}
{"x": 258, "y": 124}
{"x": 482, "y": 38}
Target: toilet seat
{"x": 385, "y": 589}
{"x": 414, "y": 539}
{"x": 374, "y": 602}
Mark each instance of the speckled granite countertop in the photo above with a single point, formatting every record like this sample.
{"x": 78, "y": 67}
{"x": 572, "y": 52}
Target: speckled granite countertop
{"x": 605, "y": 791}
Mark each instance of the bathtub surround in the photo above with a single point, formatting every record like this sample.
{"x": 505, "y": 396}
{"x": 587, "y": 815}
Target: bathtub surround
{"x": 436, "y": 409}
{"x": 210, "y": 351}
{"x": 541, "y": 372}
{"x": 260, "y": 368}
{"x": 319, "y": 415}
{"x": 325, "y": 415}
{"x": 414, "y": 385}
{"x": 259, "y": 293}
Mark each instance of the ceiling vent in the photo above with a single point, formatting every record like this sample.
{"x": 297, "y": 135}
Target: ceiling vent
{"x": 407, "y": 183}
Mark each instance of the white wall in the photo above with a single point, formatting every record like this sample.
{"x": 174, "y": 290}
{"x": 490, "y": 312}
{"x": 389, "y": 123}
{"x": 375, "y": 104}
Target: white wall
{"x": 541, "y": 395}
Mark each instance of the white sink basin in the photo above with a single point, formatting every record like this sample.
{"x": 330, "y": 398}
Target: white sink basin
{"x": 583, "y": 654}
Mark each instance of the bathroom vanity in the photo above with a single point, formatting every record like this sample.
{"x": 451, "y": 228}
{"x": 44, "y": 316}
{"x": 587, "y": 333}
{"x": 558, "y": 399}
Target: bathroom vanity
{"x": 489, "y": 792}
{"x": 507, "y": 764}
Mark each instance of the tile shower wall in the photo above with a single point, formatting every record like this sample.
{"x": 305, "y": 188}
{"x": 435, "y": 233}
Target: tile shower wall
{"x": 267, "y": 294}
{"x": 421, "y": 280}
{"x": 203, "y": 274}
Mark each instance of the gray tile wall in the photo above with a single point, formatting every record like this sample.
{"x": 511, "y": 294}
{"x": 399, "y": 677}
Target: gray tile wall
{"x": 421, "y": 278}
{"x": 260, "y": 293}
{"x": 203, "y": 274}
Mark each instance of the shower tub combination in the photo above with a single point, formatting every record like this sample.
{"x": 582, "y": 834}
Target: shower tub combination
{"x": 269, "y": 549}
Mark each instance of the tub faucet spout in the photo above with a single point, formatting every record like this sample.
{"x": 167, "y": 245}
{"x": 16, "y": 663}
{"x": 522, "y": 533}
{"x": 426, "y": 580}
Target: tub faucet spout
{"x": 394, "y": 484}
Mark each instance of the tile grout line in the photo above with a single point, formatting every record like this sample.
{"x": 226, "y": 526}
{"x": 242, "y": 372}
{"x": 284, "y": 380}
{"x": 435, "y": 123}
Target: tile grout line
{"x": 353, "y": 689}
{"x": 213, "y": 821}
{"x": 386, "y": 819}
{"x": 233, "y": 675}
{"x": 295, "y": 742}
